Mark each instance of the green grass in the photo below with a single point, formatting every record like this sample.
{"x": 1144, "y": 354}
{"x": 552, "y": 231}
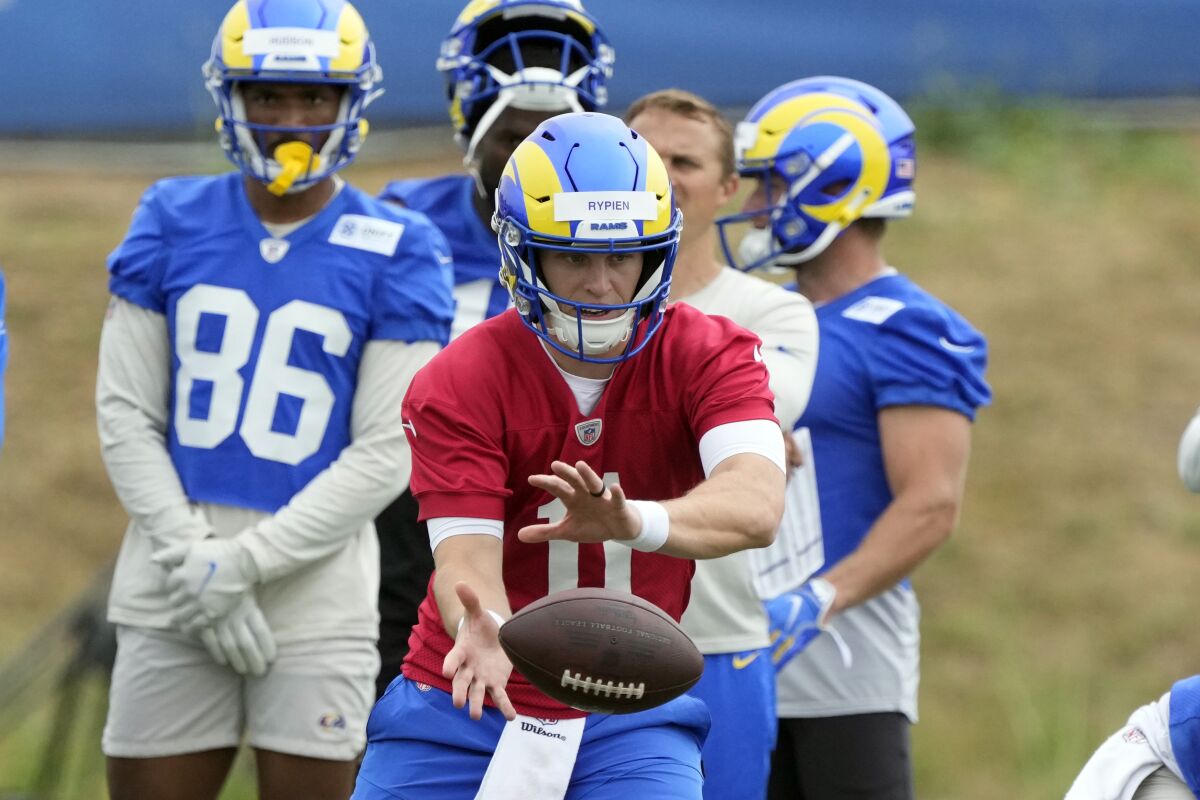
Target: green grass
{"x": 1057, "y": 608}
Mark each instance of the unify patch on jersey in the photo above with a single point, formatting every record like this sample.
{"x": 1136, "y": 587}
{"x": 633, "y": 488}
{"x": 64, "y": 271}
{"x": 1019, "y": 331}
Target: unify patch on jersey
{"x": 875, "y": 310}
{"x": 367, "y": 233}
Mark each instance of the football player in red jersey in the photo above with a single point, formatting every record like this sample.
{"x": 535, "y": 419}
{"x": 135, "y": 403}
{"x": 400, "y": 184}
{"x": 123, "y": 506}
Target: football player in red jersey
{"x": 589, "y": 437}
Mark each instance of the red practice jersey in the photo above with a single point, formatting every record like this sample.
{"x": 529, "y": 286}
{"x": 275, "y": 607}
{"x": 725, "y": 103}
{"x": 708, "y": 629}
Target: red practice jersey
{"x": 492, "y": 409}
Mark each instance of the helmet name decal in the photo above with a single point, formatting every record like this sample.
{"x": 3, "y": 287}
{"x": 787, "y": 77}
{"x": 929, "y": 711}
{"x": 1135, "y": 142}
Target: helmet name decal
{"x": 574, "y": 206}
{"x": 588, "y": 432}
{"x": 302, "y": 42}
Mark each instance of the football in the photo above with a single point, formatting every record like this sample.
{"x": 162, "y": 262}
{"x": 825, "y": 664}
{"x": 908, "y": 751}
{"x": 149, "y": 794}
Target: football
{"x": 601, "y": 650}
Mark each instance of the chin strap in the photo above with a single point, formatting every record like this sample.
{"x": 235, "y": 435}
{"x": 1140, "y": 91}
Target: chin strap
{"x": 296, "y": 158}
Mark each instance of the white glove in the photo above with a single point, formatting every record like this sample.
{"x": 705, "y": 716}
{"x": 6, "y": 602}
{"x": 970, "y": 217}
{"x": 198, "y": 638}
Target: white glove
{"x": 207, "y": 580}
{"x": 242, "y": 640}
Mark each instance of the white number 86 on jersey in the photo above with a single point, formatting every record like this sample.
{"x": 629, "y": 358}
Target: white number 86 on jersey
{"x": 272, "y": 375}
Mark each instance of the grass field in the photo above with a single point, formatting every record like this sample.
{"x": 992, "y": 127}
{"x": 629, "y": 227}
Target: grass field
{"x": 1059, "y": 606}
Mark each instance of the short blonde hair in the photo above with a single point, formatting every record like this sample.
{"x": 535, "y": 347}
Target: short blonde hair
{"x": 692, "y": 106}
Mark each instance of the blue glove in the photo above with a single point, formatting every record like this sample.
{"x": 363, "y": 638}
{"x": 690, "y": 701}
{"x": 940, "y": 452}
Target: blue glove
{"x": 797, "y": 617}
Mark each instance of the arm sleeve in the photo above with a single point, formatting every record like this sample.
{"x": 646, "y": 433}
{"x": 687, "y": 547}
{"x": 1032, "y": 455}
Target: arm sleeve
{"x": 928, "y": 356}
{"x": 758, "y": 436}
{"x": 132, "y": 396}
{"x": 367, "y": 475}
{"x": 788, "y": 329}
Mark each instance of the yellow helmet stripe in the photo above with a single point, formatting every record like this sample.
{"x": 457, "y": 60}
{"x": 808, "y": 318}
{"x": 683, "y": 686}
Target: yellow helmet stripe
{"x": 657, "y": 182}
{"x": 352, "y": 38}
{"x": 873, "y": 178}
{"x": 533, "y": 167}
{"x": 233, "y": 32}
{"x": 777, "y": 123}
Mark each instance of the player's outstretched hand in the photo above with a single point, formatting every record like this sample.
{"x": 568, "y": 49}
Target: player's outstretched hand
{"x": 595, "y": 512}
{"x": 476, "y": 665}
{"x": 211, "y": 578}
{"x": 798, "y": 617}
{"x": 242, "y": 640}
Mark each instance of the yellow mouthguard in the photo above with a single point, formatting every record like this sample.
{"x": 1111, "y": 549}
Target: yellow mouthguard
{"x": 296, "y": 158}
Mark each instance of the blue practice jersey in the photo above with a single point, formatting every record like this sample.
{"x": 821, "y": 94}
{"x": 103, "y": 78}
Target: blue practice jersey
{"x": 449, "y": 202}
{"x": 1185, "y": 730}
{"x": 888, "y": 343}
{"x": 266, "y": 334}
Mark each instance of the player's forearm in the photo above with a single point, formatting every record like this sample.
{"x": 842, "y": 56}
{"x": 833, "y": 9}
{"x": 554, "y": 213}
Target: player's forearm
{"x": 737, "y": 508}
{"x": 907, "y": 532}
{"x": 476, "y": 561}
{"x": 131, "y": 416}
{"x": 368, "y": 474}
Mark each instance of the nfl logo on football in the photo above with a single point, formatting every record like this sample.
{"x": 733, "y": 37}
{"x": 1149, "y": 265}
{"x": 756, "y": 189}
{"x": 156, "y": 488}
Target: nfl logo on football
{"x": 589, "y": 431}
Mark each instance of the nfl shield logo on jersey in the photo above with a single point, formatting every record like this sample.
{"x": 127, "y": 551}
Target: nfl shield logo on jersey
{"x": 273, "y": 250}
{"x": 589, "y": 431}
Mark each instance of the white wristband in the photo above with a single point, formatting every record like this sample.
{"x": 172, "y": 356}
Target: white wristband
{"x": 499, "y": 620}
{"x": 656, "y": 524}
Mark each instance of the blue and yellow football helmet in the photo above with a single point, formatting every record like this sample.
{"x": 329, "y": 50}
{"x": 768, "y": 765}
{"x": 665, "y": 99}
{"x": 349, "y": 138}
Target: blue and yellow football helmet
{"x": 540, "y": 54}
{"x": 292, "y": 41}
{"x": 585, "y": 181}
{"x": 828, "y": 151}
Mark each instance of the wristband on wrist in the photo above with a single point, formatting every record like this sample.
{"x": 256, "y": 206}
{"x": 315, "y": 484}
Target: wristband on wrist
{"x": 499, "y": 620}
{"x": 656, "y": 525}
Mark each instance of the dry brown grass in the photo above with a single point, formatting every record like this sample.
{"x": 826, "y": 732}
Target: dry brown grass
{"x": 1061, "y": 603}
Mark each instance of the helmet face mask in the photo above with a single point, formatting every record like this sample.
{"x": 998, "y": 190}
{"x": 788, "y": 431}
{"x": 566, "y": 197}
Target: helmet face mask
{"x": 843, "y": 150}
{"x": 537, "y": 55}
{"x": 585, "y": 183}
{"x": 321, "y": 42}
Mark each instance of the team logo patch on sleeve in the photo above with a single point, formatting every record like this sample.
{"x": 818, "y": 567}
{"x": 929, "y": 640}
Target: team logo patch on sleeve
{"x": 875, "y": 310}
{"x": 367, "y": 233}
{"x": 588, "y": 431}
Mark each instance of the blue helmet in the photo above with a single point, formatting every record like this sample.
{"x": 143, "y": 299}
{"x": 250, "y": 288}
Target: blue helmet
{"x": 292, "y": 41}
{"x": 486, "y": 60}
{"x": 844, "y": 150}
{"x": 586, "y": 182}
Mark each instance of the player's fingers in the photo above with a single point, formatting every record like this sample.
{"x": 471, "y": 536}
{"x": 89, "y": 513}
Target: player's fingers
{"x": 452, "y": 662}
{"x": 460, "y": 685}
{"x": 232, "y": 648}
{"x": 256, "y": 623}
{"x": 593, "y": 484}
{"x": 570, "y": 475}
{"x": 500, "y": 698}
{"x": 208, "y": 637}
{"x": 532, "y": 534}
{"x": 554, "y": 485}
{"x": 475, "y": 696}
{"x": 467, "y": 596}
{"x": 618, "y": 496}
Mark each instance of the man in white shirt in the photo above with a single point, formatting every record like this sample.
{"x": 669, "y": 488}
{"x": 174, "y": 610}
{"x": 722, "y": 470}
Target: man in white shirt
{"x": 725, "y": 617}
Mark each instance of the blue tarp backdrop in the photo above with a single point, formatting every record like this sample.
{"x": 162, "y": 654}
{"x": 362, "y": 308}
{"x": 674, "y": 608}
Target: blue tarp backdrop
{"x": 97, "y": 67}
